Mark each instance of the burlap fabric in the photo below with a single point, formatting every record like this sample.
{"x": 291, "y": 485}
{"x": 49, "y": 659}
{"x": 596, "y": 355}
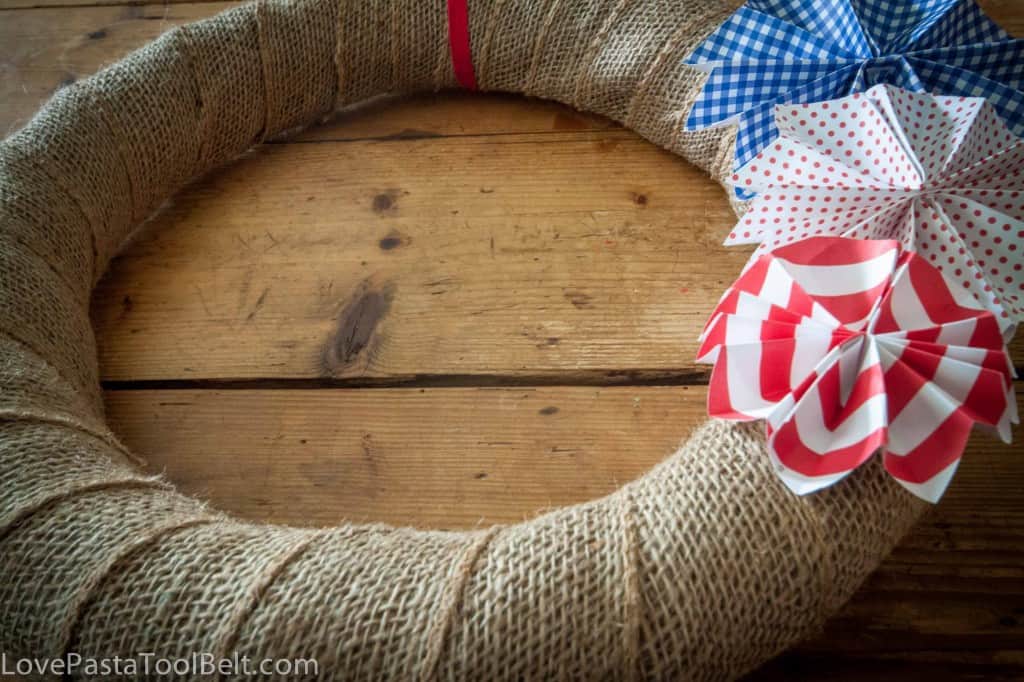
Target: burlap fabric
{"x": 700, "y": 570}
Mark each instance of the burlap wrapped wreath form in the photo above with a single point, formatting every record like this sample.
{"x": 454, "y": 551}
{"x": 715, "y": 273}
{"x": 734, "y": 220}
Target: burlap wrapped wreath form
{"x": 702, "y": 569}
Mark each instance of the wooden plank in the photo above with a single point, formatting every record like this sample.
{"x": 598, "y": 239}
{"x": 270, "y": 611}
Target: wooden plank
{"x": 452, "y": 457}
{"x": 10, "y": 5}
{"x": 959, "y": 665}
{"x": 447, "y": 458}
{"x": 458, "y": 256}
{"x": 448, "y": 256}
{"x": 952, "y": 594}
{"x": 453, "y": 114}
{"x": 44, "y": 49}
{"x": 1007, "y": 13}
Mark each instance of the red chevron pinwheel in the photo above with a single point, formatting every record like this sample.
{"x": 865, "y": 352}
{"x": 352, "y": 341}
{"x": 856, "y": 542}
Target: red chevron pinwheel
{"x": 844, "y": 346}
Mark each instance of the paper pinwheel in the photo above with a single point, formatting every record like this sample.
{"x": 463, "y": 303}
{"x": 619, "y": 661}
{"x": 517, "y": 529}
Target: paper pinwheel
{"x": 792, "y": 51}
{"x": 942, "y": 175}
{"x": 845, "y": 346}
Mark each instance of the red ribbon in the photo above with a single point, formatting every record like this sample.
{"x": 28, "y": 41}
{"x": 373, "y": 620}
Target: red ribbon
{"x": 458, "y": 40}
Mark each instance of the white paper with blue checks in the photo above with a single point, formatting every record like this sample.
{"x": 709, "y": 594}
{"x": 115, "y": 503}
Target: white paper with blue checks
{"x": 793, "y": 51}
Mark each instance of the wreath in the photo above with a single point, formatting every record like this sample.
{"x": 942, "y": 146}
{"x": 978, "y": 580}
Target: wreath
{"x": 703, "y": 568}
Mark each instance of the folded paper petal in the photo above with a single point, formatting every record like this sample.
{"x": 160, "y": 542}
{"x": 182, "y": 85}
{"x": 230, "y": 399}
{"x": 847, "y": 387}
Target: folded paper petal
{"x": 847, "y": 346}
{"x": 773, "y": 52}
{"x": 944, "y": 176}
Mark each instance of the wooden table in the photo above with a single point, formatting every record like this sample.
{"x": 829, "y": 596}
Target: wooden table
{"x": 453, "y": 310}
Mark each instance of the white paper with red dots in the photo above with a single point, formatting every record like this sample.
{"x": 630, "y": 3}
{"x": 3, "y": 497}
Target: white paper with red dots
{"x": 847, "y": 346}
{"x": 941, "y": 175}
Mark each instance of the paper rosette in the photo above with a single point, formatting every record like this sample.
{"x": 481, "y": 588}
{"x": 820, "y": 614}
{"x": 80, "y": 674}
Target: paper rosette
{"x": 792, "y": 51}
{"x": 844, "y": 346}
{"x": 942, "y": 175}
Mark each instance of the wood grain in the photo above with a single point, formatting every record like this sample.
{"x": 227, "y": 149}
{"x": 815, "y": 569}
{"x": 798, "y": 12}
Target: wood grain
{"x": 45, "y": 44}
{"x": 8, "y": 5}
{"x": 444, "y": 458}
{"x": 42, "y": 50}
{"x": 590, "y": 253}
{"x": 456, "y": 457}
{"x": 513, "y": 254}
{"x": 1007, "y": 13}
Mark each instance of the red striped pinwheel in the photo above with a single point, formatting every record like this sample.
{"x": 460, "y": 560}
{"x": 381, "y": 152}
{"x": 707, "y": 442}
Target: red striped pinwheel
{"x": 844, "y": 346}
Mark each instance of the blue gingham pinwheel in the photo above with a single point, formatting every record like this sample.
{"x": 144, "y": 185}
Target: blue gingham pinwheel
{"x": 795, "y": 51}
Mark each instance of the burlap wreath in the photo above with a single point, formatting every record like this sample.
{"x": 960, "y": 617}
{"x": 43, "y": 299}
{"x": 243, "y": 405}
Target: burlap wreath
{"x": 701, "y": 569}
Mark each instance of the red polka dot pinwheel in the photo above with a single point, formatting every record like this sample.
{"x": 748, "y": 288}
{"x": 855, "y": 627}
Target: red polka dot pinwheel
{"x": 942, "y": 175}
{"x": 847, "y": 346}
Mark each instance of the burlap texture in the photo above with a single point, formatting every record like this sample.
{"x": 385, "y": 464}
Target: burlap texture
{"x": 700, "y": 570}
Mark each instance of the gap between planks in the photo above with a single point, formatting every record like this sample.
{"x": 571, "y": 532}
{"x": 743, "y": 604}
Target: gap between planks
{"x": 595, "y": 378}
